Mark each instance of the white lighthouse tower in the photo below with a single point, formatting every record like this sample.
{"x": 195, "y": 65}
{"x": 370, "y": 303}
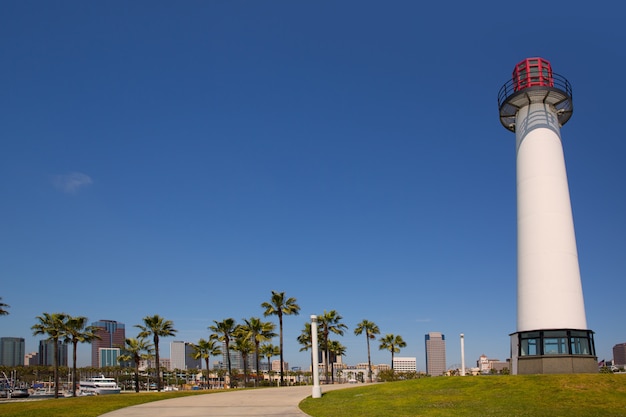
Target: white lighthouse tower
{"x": 552, "y": 334}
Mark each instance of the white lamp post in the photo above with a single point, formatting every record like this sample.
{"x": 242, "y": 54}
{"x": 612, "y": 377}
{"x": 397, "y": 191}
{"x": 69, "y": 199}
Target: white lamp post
{"x": 462, "y": 355}
{"x": 317, "y": 390}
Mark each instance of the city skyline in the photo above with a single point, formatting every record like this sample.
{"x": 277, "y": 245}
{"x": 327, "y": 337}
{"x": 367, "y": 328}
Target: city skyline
{"x": 85, "y": 349}
{"x": 187, "y": 159}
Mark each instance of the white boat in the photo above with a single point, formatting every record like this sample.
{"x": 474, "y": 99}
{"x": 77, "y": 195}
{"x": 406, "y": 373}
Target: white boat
{"x": 99, "y": 385}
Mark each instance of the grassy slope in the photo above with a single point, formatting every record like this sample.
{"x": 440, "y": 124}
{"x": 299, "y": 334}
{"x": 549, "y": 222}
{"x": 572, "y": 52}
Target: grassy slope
{"x": 534, "y": 395}
{"x": 510, "y": 396}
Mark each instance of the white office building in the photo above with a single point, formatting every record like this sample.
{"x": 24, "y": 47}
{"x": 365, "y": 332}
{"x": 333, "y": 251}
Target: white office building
{"x": 404, "y": 364}
{"x": 181, "y": 356}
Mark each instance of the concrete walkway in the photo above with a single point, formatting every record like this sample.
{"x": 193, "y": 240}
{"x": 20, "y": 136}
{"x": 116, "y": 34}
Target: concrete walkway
{"x": 282, "y": 402}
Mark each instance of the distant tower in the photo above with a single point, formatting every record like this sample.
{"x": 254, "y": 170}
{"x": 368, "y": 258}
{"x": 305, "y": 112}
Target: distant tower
{"x": 619, "y": 354}
{"x": 435, "y": 354}
{"x": 552, "y": 334}
{"x": 12, "y": 351}
{"x": 46, "y": 353}
{"x": 112, "y": 335}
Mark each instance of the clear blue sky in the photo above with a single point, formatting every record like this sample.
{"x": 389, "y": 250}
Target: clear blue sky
{"x": 186, "y": 158}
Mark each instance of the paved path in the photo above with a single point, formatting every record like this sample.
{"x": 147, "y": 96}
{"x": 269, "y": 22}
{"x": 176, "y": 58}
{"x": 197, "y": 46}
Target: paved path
{"x": 282, "y": 402}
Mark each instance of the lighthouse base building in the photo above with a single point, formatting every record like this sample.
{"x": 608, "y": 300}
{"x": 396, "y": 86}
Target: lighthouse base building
{"x": 562, "y": 351}
{"x": 552, "y": 334}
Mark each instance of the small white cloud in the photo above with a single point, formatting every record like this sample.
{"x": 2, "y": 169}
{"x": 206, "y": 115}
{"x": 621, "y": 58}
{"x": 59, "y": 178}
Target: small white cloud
{"x": 72, "y": 182}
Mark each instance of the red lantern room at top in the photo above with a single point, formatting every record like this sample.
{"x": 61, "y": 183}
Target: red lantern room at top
{"x": 534, "y": 82}
{"x": 532, "y": 72}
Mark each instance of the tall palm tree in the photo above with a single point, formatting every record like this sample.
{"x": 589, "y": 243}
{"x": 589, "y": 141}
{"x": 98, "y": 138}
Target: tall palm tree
{"x": 205, "y": 349}
{"x": 52, "y": 325}
{"x": 392, "y": 343}
{"x": 330, "y": 322}
{"x": 371, "y": 329}
{"x": 258, "y": 332}
{"x": 3, "y": 312}
{"x": 268, "y": 350}
{"x": 135, "y": 350}
{"x": 244, "y": 345}
{"x": 157, "y": 327}
{"x": 223, "y": 331}
{"x": 77, "y": 331}
{"x": 281, "y": 306}
{"x": 337, "y": 349}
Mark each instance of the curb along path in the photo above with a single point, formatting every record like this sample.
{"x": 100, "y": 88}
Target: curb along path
{"x": 282, "y": 402}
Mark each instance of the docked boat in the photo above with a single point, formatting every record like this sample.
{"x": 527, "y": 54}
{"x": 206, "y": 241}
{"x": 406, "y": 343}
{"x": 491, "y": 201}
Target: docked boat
{"x": 99, "y": 385}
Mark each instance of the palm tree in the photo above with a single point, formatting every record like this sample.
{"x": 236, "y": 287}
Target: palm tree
{"x": 244, "y": 345}
{"x": 269, "y": 351}
{"x": 77, "y": 331}
{"x": 392, "y": 343}
{"x": 52, "y": 325}
{"x": 223, "y": 331}
{"x": 330, "y": 322}
{"x": 3, "y": 312}
{"x": 306, "y": 340}
{"x": 336, "y": 349}
{"x": 371, "y": 329}
{"x": 279, "y": 306}
{"x": 205, "y": 349}
{"x": 135, "y": 350}
{"x": 258, "y": 331}
{"x": 157, "y": 327}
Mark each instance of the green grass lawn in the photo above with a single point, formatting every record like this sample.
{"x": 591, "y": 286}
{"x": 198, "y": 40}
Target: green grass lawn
{"x": 86, "y": 406}
{"x": 583, "y": 395}
{"x": 578, "y": 395}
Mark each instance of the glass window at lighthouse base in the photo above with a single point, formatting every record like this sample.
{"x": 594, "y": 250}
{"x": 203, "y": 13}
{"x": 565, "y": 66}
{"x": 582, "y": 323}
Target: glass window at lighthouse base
{"x": 556, "y": 342}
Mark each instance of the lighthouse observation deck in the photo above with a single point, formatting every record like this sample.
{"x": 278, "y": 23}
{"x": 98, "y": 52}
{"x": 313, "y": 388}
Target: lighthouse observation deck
{"x": 534, "y": 82}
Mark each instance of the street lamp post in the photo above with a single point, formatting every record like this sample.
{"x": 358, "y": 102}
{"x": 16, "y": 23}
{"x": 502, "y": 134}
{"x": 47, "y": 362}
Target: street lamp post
{"x": 462, "y": 354}
{"x": 317, "y": 390}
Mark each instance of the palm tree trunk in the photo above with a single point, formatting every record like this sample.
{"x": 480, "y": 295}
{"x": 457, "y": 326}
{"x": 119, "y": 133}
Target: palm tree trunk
{"x": 327, "y": 352}
{"x": 207, "y": 372}
{"x": 74, "y": 369}
{"x": 228, "y": 357}
{"x": 256, "y": 360}
{"x": 55, "y": 362}
{"x": 136, "y": 376}
{"x": 280, "y": 321}
{"x": 369, "y": 360}
{"x": 245, "y": 370}
{"x": 158, "y": 362}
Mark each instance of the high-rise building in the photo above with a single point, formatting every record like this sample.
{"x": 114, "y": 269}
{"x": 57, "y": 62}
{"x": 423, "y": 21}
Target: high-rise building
{"x": 619, "y": 354}
{"x": 12, "y": 350}
{"x": 181, "y": 356}
{"x": 112, "y": 335}
{"x": 236, "y": 359}
{"x": 46, "y": 353}
{"x": 435, "y": 354}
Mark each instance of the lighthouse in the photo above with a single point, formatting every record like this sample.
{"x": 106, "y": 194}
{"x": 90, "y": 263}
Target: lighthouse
{"x": 552, "y": 334}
